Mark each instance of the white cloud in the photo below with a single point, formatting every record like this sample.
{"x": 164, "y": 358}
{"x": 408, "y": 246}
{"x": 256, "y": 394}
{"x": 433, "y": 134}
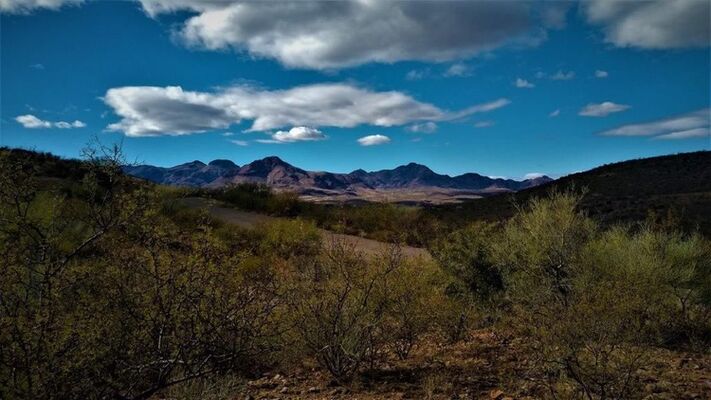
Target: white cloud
{"x": 522, "y": 83}
{"x": 481, "y": 108}
{"x": 689, "y": 125}
{"x": 688, "y": 134}
{"x": 240, "y": 142}
{"x": 657, "y": 24}
{"x": 32, "y": 122}
{"x": 425, "y": 127}
{"x": 602, "y": 109}
{"x": 37, "y": 66}
{"x": 298, "y": 134}
{"x": 228, "y": 134}
{"x": 373, "y": 140}
{"x": 458, "y": 70}
{"x": 337, "y": 34}
{"x": 554, "y": 113}
{"x": 484, "y": 124}
{"x": 563, "y": 76}
{"x": 533, "y": 175}
{"x": 27, "y": 6}
{"x": 151, "y": 111}
{"x": 601, "y": 74}
{"x": 69, "y": 125}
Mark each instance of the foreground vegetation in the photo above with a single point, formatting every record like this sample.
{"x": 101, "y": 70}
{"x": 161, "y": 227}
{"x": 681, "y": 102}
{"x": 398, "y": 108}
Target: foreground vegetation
{"x": 110, "y": 289}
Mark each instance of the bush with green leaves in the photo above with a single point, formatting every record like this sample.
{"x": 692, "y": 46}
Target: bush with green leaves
{"x": 348, "y": 309}
{"x": 103, "y": 295}
{"x": 593, "y": 301}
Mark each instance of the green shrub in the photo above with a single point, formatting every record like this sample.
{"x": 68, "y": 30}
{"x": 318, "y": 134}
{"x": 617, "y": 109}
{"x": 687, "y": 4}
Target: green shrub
{"x": 593, "y": 302}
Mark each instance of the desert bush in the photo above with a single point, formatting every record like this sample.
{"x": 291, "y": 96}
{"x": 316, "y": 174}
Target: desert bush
{"x": 669, "y": 271}
{"x": 467, "y": 256}
{"x": 259, "y": 197}
{"x": 43, "y": 236}
{"x": 592, "y": 302}
{"x": 413, "y": 291}
{"x": 336, "y": 308}
{"x": 349, "y": 310}
{"x": 289, "y": 238}
{"x": 184, "y": 307}
{"x": 102, "y": 295}
{"x": 338, "y": 303}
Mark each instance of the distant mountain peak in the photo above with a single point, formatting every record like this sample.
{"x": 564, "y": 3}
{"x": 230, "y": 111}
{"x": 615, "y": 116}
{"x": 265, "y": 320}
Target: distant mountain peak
{"x": 273, "y": 159}
{"x": 227, "y": 164}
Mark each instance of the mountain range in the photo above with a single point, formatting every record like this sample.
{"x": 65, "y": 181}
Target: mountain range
{"x": 281, "y": 175}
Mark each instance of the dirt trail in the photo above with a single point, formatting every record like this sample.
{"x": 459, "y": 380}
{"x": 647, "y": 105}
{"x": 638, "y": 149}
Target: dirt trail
{"x": 247, "y": 219}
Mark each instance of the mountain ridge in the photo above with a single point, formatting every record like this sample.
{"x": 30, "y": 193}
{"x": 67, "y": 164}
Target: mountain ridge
{"x": 279, "y": 174}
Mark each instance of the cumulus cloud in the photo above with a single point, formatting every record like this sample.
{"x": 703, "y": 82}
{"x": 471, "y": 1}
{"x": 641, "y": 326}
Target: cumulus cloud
{"x": 239, "y": 142}
{"x": 563, "y": 76}
{"x": 602, "y": 109}
{"x": 601, "y": 74}
{"x": 690, "y": 125}
{"x": 27, "y": 6}
{"x": 524, "y": 84}
{"x": 373, "y": 140}
{"x": 337, "y": 34}
{"x": 554, "y": 113}
{"x": 32, "y": 122}
{"x": 425, "y": 127}
{"x": 151, "y": 111}
{"x": 657, "y": 24}
{"x": 298, "y": 134}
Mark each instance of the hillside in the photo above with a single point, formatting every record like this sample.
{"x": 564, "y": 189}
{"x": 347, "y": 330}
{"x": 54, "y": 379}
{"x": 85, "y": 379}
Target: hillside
{"x": 384, "y": 185}
{"x": 675, "y": 186}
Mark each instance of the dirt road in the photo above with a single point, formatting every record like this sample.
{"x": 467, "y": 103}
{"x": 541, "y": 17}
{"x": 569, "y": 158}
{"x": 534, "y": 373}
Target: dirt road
{"x": 246, "y": 219}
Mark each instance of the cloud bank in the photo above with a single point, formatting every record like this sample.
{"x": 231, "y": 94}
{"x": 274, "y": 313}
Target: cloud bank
{"x": 657, "y": 24}
{"x": 338, "y": 34}
{"x": 153, "y": 111}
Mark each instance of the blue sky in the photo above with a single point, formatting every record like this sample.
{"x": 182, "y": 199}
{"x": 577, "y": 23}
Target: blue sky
{"x": 503, "y": 89}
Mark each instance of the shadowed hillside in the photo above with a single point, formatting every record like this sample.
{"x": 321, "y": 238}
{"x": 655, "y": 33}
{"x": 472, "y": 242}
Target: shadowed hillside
{"x": 674, "y": 187}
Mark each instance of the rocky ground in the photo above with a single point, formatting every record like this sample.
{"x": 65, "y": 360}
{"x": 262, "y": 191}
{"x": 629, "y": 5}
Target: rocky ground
{"x": 483, "y": 367}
